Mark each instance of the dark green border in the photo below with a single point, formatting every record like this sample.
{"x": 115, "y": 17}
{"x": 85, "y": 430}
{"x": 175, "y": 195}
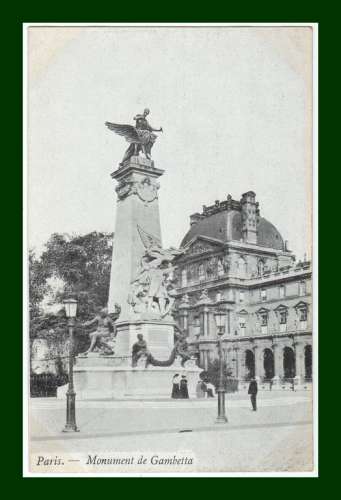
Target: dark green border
{"x": 12, "y": 231}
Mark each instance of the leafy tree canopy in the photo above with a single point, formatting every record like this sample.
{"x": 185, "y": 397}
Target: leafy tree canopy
{"x": 83, "y": 263}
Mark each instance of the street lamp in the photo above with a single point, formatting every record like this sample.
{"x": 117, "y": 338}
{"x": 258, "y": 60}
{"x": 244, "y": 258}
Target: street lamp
{"x": 219, "y": 317}
{"x": 70, "y": 426}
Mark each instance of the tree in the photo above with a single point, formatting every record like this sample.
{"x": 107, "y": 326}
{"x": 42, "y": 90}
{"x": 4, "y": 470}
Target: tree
{"x": 212, "y": 375}
{"x": 83, "y": 263}
{"x": 37, "y": 284}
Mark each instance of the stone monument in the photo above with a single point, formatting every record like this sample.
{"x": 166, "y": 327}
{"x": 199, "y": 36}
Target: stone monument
{"x": 149, "y": 348}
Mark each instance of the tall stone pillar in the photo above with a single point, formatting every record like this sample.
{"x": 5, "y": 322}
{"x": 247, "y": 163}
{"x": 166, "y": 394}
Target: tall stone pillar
{"x": 137, "y": 216}
{"x": 137, "y": 227}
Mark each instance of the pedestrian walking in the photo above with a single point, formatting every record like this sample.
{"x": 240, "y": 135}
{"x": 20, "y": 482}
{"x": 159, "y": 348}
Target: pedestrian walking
{"x": 210, "y": 390}
{"x": 183, "y": 388}
{"x": 176, "y": 386}
{"x": 253, "y": 389}
{"x": 201, "y": 389}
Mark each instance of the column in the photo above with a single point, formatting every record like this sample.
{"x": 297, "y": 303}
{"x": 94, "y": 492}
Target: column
{"x": 227, "y": 321}
{"x": 278, "y": 363}
{"x": 202, "y": 358}
{"x": 259, "y": 366}
{"x": 203, "y": 304}
{"x": 236, "y": 356}
{"x": 299, "y": 362}
{"x": 183, "y": 315}
{"x": 206, "y": 360}
{"x": 204, "y": 321}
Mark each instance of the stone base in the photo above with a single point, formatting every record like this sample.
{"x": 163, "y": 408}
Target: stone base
{"x": 158, "y": 334}
{"x": 113, "y": 378}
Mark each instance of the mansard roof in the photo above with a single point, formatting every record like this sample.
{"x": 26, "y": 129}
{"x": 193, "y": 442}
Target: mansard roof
{"x": 223, "y": 221}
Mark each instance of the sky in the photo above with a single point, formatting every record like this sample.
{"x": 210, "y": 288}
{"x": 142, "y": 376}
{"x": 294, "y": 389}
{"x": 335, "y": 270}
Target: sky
{"x": 234, "y": 104}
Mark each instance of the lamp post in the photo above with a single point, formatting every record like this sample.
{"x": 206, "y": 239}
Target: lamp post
{"x": 70, "y": 426}
{"x": 220, "y": 322}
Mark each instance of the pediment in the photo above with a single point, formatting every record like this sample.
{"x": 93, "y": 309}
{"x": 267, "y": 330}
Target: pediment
{"x": 301, "y": 305}
{"x": 243, "y": 312}
{"x": 202, "y": 244}
{"x": 281, "y": 307}
{"x": 262, "y": 310}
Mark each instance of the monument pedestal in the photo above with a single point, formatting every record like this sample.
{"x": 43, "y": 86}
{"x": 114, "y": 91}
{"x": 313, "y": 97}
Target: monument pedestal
{"x": 112, "y": 377}
{"x": 159, "y": 336}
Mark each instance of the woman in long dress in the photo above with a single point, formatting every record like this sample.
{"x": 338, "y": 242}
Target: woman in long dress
{"x": 183, "y": 388}
{"x": 176, "y": 387}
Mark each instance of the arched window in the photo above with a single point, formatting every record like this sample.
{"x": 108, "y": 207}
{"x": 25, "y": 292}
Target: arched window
{"x": 289, "y": 368}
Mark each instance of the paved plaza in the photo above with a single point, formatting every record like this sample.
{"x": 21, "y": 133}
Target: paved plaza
{"x": 276, "y": 438}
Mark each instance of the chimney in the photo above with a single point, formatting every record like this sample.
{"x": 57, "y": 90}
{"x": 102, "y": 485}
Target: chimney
{"x": 250, "y": 217}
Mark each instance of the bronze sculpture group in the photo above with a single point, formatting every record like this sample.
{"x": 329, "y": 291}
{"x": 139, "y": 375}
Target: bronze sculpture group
{"x": 140, "y": 351}
{"x": 152, "y": 289}
{"x": 102, "y": 338}
{"x": 141, "y": 136}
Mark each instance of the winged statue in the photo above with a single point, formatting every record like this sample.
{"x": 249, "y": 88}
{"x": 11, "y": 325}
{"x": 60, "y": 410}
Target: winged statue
{"x": 141, "y": 136}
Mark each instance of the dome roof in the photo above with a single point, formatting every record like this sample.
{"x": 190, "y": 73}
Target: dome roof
{"x": 269, "y": 236}
{"x": 227, "y": 226}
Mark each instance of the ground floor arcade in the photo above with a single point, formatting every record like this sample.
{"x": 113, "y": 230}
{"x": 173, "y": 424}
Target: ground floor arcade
{"x": 278, "y": 357}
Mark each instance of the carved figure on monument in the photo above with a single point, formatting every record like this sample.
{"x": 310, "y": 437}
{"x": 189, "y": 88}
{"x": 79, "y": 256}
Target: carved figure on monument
{"x": 151, "y": 290}
{"x": 181, "y": 345}
{"x": 139, "y": 350}
{"x": 180, "y": 350}
{"x": 146, "y": 190}
{"x": 101, "y": 338}
{"x": 140, "y": 136}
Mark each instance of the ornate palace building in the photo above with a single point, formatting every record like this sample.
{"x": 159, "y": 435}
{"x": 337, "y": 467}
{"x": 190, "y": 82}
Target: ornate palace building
{"x": 236, "y": 261}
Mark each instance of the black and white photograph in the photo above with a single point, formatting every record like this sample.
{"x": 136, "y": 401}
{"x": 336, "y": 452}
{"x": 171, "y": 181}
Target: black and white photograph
{"x": 170, "y": 228}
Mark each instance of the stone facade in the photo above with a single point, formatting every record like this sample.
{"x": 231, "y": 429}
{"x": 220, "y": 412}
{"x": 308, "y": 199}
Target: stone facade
{"x": 238, "y": 262}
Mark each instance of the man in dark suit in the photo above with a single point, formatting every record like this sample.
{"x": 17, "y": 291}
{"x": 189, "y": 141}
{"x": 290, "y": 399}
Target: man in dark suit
{"x": 253, "y": 389}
